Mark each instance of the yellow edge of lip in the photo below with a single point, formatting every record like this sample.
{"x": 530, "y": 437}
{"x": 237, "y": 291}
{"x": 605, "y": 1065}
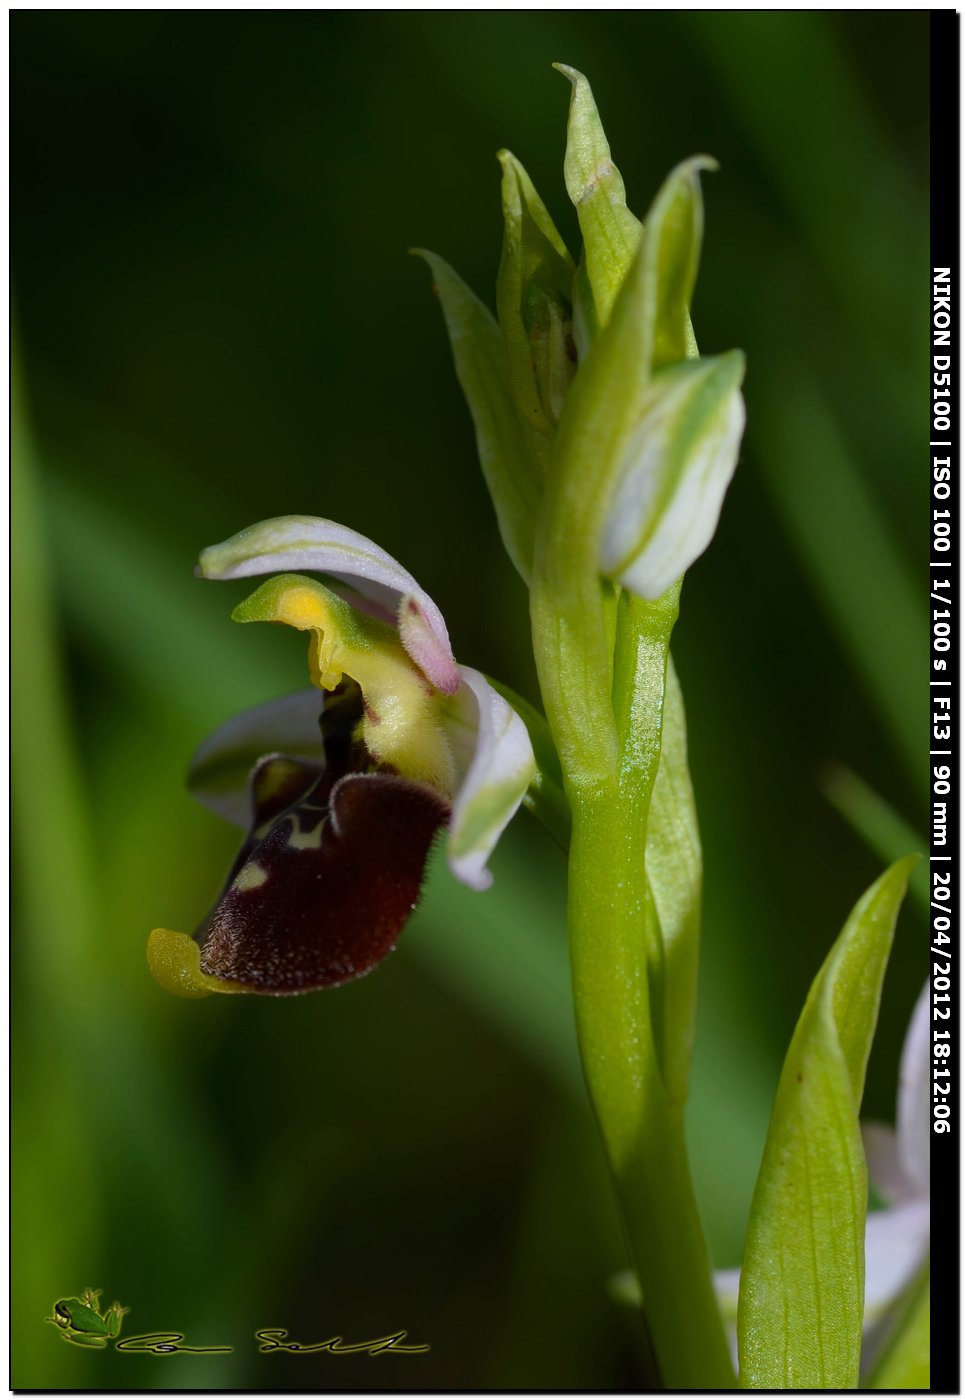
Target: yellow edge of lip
{"x": 175, "y": 962}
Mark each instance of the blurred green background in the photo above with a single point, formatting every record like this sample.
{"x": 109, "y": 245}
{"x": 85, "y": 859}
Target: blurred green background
{"x": 216, "y": 321}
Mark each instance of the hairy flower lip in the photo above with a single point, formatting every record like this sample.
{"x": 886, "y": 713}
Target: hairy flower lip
{"x": 336, "y": 890}
{"x": 320, "y": 891}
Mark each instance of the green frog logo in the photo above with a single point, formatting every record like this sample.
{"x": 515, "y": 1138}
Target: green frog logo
{"x": 81, "y": 1321}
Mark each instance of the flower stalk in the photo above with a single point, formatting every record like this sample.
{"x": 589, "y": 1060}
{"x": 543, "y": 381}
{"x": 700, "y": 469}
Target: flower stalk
{"x": 642, "y": 1127}
{"x": 635, "y": 1054}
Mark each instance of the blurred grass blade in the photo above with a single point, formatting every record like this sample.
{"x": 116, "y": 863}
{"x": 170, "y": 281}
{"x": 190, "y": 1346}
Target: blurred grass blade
{"x": 906, "y": 1363}
{"x": 510, "y": 471}
{"x": 52, "y": 922}
{"x": 807, "y": 117}
{"x": 884, "y": 831}
{"x": 137, "y": 601}
{"x": 845, "y": 541}
{"x": 521, "y": 985}
{"x": 802, "y": 1284}
{"x": 45, "y": 759}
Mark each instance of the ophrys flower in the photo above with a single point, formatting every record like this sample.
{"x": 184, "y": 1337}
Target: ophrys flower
{"x": 343, "y": 786}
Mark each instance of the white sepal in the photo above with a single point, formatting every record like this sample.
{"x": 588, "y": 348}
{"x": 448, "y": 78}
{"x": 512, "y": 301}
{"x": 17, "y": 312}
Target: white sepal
{"x": 296, "y": 543}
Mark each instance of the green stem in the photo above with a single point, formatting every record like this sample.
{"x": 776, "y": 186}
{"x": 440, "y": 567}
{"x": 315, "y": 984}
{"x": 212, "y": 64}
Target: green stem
{"x": 602, "y": 670}
{"x": 642, "y": 1130}
{"x": 608, "y": 731}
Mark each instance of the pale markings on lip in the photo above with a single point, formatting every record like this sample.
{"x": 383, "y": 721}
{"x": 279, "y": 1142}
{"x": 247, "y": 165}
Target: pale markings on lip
{"x": 250, "y": 877}
{"x": 309, "y": 840}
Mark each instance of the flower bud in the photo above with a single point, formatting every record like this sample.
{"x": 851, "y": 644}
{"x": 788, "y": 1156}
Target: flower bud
{"x": 677, "y": 463}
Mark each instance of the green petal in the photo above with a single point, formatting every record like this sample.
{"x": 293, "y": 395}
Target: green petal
{"x": 533, "y": 298}
{"x": 802, "y": 1284}
{"x": 510, "y": 470}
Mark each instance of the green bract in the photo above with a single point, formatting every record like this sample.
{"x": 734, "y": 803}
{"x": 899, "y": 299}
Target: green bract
{"x": 511, "y": 471}
{"x": 564, "y": 448}
{"x": 594, "y": 184}
{"x": 533, "y": 296}
{"x": 674, "y": 872}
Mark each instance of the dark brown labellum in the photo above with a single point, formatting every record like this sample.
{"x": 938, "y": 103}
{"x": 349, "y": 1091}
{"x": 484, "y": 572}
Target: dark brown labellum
{"x": 322, "y": 896}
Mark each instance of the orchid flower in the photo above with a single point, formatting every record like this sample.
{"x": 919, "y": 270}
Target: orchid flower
{"x": 342, "y": 787}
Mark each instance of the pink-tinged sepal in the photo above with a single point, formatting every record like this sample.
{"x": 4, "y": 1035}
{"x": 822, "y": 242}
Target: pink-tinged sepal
{"x": 421, "y": 640}
{"x": 296, "y": 543}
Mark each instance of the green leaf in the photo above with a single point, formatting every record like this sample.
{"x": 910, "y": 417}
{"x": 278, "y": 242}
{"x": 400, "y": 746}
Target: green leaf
{"x": 611, "y": 233}
{"x": 675, "y": 872}
{"x": 663, "y": 854}
{"x": 510, "y": 470}
{"x": 533, "y": 298}
{"x": 802, "y": 1285}
{"x": 906, "y": 1363}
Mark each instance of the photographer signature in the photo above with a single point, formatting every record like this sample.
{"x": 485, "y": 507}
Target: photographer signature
{"x": 275, "y": 1339}
{"x": 81, "y": 1322}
